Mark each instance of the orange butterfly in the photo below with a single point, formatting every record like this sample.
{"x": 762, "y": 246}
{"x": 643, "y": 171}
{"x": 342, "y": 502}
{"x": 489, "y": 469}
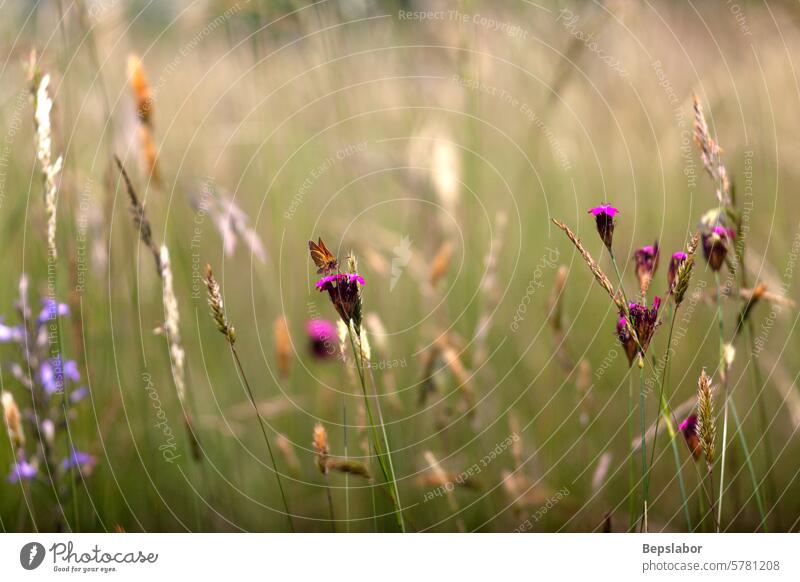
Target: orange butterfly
{"x": 322, "y": 257}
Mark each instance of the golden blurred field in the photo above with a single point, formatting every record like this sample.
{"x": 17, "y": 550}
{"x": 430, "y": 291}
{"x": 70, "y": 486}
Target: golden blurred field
{"x": 426, "y": 137}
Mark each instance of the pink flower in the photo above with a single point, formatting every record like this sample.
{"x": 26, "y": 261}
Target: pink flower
{"x": 321, "y": 335}
{"x": 604, "y": 217}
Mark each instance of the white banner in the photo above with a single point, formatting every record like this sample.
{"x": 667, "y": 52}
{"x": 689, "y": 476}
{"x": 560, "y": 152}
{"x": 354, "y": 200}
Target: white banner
{"x": 331, "y": 557}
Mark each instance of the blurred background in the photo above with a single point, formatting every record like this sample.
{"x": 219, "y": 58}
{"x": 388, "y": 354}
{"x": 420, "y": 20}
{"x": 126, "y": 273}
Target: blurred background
{"x": 435, "y": 140}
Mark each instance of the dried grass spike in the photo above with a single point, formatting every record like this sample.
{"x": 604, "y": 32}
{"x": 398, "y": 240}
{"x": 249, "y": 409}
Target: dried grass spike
{"x": 601, "y": 277}
{"x": 321, "y": 448}
{"x": 283, "y": 346}
{"x": 706, "y": 427}
{"x": 13, "y": 420}
{"x": 440, "y": 264}
{"x": 217, "y": 307}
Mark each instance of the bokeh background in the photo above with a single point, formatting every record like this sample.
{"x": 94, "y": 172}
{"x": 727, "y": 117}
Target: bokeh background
{"x": 439, "y": 141}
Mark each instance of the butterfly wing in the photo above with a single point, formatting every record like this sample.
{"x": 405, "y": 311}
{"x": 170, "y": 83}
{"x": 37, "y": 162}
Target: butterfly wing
{"x": 322, "y": 257}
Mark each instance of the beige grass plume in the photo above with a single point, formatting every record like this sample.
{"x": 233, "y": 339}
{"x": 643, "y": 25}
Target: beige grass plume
{"x": 217, "y": 307}
{"x": 327, "y": 463}
{"x": 710, "y": 154}
{"x": 321, "y": 448}
{"x": 43, "y": 105}
{"x": 287, "y": 451}
{"x": 171, "y": 326}
{"x": 283, "y": 346}
{"x": 601, "y": 277}
{"x": 13, "y": 420}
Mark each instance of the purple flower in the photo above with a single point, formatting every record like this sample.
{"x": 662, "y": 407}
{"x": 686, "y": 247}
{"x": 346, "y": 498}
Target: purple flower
{"x": 604, "y": 209}
{"x": 604, "y": 217}
{"x": 48, "y": 378}
{"x": 626, "y": 339}
{"x": 646, "y": 259}
{"x": 715, "y": 246}
{"x": 320, "y": 334}
{"x": 343, "y": 289}
{"x": 349, "y": 277}
{"x": 644, "y": 321}
{"x": 51, "y": 310}
{"x": 78, "y": 394}
{"x": 689, "y": 429}
{"x": 83, "y": 461}
{"x": 22, "y": 469}
{"x": 71, "y": 371}
{"x": 10, "y": 333}
{"x": 674, "y": 264}
{"x": 52, "y": 373}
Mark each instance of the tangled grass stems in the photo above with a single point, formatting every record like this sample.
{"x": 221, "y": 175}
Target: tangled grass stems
{"x": 218, "y": 313}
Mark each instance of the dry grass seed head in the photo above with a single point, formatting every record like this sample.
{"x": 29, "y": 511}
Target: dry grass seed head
{"x": 706, "y": 426}
{"x": 283, "y": 346}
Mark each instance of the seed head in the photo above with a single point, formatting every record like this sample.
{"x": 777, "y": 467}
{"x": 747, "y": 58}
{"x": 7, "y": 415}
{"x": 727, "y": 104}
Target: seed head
{"x": 13, "y": 420}
{"x": 684, "y": 270}
{"x": 706, "y": 427}
{"x": 217, "y": 307}
{"x": 321, "y": 449}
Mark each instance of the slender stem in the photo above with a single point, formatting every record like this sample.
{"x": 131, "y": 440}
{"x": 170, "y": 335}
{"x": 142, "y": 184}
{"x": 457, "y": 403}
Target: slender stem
{"x": 263, "y": 432}
{"x": 387, "y": 473}
{"x": 631, "y": 463}
{"x": 710, "y": 475}
{"x": 664, "y": 376}
{"x": 643, "y": 446}
{"x": 749, "y": 463}
{"x": 619, "y": 275}
{"x": 685, "y": 500}
{"x": 330, "y": 503}
{"x": 722, "y": 367}
{"x": 346, "y": 476}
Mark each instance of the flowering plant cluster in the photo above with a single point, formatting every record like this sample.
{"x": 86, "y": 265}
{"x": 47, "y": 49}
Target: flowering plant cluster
{"x": 50, "y": 391}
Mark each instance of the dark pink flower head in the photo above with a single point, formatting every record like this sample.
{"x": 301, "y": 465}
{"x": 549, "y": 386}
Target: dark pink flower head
{"x": 349, "y": 277}
{"x": 674, "y": 264}
{"x": 626, "y": 339}
{"x": 644, "y": 321}
{"x": 322, "y": 338}
{"x": 646, "y": 259}
{"x": 604, "y": 217}
{"x": 689, "y": 424}
{"x": 689, "y": 429}
{"x": 604, "y": 209}
{"x": 715, "y": 246}
{"x": 345, "y": 294}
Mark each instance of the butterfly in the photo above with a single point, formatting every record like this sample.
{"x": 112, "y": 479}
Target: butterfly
{"x": 322, "y": 257}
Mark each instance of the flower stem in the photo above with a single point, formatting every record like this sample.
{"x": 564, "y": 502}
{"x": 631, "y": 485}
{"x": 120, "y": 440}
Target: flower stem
{"x": 643, "y": 446}
{"x": 663, "y": 402}
{"x": 619, "y": 275}
{"x": 722, "y": 367}
{"x": 263, "y": 432}
{"x": 388, "y": 473}
{"x": 631, "y": 463}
